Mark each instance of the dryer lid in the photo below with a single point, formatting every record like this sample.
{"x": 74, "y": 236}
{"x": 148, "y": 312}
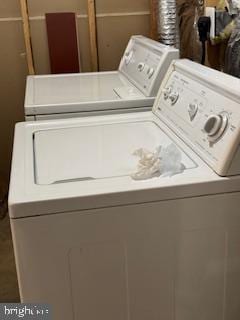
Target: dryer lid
{"x": 95, "y": 151}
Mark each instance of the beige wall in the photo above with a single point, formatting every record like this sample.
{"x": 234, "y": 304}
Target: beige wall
{"x": 114, "y": 31}
{"x": 12, "y": 77}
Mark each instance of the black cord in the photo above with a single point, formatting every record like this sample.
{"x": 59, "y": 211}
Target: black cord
{"x": 204, "y": 24}
{"x": 203, "y": 52}
{"x": 3, "y": 207}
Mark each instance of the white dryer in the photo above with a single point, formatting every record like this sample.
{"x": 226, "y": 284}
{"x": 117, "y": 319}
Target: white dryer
{"x": 132, "y": 88}
{"x": 96, "y": 244}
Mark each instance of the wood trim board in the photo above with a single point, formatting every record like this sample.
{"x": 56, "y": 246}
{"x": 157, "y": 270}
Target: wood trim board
{"x": 27, "y": 36}
{"x": 93, "y": 35}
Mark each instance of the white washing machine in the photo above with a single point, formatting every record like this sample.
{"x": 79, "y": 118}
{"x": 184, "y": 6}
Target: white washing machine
{"x": 132, "y": 88}
{"x": 96, "y": 244}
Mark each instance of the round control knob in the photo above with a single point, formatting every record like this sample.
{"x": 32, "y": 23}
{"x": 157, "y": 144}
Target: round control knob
{"x": 128, "y": 57}
{"x": 215, "y": 126}
{"x": 174, "y": 97}
{"x": 141, "y": 66}
{"x": 167, "y": 92}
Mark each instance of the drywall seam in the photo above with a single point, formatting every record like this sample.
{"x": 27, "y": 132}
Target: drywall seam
{"x": 10, "y": 19}
{"x": 123, "y": 14}
{"x": 83, "y": 16}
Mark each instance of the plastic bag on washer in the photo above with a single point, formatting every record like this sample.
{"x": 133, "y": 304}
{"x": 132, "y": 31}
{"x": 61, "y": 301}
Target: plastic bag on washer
{"x": 164, "y": 161}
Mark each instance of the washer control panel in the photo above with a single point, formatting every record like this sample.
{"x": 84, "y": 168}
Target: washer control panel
{"x": 202, "y": 112}
{"x": 145, "y": 63}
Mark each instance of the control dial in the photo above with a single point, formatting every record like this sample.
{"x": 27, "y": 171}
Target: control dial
{"x": 166, "y": 92}
{"x": 174, "y": 97}
{"x": 141, "y": 66}
{"x": 128, "y": 57}
{"x": 215, "y": 126}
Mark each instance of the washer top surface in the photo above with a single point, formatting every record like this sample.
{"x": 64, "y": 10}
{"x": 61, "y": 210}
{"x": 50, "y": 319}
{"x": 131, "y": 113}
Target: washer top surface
{"x": 58, "y": 168}
{"x": 134, "y": 85}
{"x": 95, "y": 151}
{"x": 67, "y": 89}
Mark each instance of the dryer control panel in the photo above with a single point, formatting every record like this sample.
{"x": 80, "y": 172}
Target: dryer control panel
{"x": 202, "y": 106}
{"x": 145, "y": 63}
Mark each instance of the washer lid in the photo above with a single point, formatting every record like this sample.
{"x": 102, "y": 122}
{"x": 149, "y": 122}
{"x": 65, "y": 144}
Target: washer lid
{"x": 73, "y": 92}
{"x": 72, "y": 88}
{"x": 95, "y": 151}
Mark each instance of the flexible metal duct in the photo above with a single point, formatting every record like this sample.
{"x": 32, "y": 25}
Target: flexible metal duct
{"x": 168, "y": 22}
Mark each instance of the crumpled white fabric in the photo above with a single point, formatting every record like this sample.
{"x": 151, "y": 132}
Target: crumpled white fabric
{"x": 164, "y": 161}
